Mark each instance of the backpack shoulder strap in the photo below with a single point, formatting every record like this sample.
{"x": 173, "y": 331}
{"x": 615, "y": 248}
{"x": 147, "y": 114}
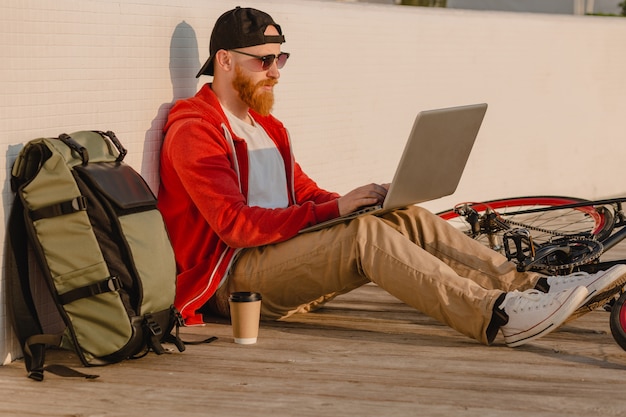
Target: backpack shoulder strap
{"x": 19, "y": 296}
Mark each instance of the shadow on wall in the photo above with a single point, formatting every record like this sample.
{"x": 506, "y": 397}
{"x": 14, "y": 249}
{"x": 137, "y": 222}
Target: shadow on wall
{"x": 7, "y": 192}
{"x": 184, "y": 64}
{"x": 9, "y": 346}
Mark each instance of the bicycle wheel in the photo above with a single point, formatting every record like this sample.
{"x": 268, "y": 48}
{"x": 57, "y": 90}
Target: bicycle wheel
{"x": 618, "y": 321}
{"x": 542, "y": 225}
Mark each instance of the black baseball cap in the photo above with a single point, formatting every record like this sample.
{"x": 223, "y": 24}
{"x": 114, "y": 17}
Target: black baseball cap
{"x": 240, "y": 28}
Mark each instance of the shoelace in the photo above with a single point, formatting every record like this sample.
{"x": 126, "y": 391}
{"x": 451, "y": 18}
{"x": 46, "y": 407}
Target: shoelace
{"x": 563, "y": 279}
{"x": 577, "y": 274}
{"x": 526, "y": 300}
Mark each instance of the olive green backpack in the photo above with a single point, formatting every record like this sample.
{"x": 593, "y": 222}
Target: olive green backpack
{"x": 89, "y": 263}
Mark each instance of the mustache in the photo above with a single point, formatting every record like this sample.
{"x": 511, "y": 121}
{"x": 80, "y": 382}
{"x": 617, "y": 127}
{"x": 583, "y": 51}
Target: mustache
{"x": 269, "y": 82}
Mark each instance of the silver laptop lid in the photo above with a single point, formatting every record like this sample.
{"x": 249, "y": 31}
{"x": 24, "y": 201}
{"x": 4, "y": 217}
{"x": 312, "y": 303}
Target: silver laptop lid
{"x": 435, "y": 155}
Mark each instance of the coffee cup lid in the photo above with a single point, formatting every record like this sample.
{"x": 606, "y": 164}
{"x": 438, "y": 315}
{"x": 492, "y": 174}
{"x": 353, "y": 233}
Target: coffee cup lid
{"x": 245, "y": 296}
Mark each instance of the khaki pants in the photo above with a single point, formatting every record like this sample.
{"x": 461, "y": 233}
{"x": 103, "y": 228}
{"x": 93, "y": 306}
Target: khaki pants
{"x": 411, "y": 253}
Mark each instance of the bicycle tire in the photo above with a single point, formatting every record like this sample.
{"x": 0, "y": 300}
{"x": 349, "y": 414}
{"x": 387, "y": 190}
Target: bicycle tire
{"x": 618, "y": 321}
{"x": 544, "y": 225}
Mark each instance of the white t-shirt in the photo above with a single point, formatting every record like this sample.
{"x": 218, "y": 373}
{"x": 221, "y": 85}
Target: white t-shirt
{"x": 267, "y": 183}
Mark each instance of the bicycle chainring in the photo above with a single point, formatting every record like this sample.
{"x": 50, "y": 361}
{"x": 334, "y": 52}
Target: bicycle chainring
{"x": 580, "y": 251}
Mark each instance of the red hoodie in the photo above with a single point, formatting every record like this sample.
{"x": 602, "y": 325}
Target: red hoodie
{"x": 203, "y": 197}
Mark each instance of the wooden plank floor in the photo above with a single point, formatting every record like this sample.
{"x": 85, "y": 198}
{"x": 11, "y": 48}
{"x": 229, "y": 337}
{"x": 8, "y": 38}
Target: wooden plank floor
{"x": 365, "y": 354}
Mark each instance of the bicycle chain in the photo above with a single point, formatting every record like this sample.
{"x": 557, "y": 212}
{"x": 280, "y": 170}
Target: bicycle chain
{"x": 538, "y": 229}
{"x": 592, "y": 256}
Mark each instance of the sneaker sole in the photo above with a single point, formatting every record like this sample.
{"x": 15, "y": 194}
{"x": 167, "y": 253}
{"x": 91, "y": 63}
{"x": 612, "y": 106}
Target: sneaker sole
{"x": 616, "y": 280}
{"x": 574, "y": 300}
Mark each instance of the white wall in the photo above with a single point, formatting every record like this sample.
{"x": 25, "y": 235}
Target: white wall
{"x": 357, "y": 76}
{"x": 541, "y": 6}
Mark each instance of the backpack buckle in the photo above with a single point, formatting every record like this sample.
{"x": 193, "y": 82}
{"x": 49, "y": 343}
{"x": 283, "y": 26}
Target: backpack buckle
{"x": 152, "y": 325}
{"x": 79, "y": 203}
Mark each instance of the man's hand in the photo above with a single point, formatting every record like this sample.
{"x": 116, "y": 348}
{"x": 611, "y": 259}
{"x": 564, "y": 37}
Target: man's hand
{"x": 367, "y": 195}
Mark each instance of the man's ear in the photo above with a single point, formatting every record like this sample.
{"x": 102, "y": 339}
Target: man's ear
{"x": 223, "y": 59}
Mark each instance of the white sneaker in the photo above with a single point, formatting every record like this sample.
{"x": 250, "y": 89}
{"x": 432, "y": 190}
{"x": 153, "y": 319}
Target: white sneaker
{"x": 533, "y": 313}
{"x": 601, "y": 286}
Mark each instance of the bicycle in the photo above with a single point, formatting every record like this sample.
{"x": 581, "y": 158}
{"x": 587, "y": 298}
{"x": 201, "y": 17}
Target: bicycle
{"x": 551, "y": 235}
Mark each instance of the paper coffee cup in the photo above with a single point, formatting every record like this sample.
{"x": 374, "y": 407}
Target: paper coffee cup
{"x": 245, "y": 310}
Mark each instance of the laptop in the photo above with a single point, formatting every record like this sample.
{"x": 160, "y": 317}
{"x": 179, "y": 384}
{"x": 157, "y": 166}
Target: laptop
{"x": 433, "y": 160}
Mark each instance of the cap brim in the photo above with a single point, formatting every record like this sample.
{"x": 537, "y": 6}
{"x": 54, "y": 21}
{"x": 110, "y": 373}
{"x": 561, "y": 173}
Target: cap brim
{"x": 207, "y": 68}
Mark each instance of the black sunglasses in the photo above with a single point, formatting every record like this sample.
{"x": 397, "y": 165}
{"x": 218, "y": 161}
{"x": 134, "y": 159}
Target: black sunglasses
{"x": 268, "y": 60}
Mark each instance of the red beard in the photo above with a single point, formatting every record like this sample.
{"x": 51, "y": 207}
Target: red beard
{"x": 257, "y": 99}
